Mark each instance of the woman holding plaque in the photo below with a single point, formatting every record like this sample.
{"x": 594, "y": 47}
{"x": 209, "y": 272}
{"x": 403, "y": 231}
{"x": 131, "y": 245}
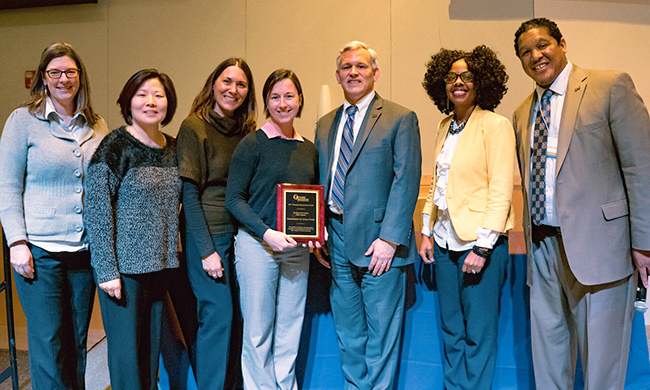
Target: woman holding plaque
{"x": 468, "y": 211}
{"x": 223, "y": 112}
{"x": 271, "y": 268}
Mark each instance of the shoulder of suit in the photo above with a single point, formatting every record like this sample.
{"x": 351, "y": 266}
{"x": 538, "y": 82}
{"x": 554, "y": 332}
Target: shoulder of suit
{"x": 598, "y": 75}
{"x": 392, "y": 107}
{"x": 444, "y": 122}
{"x": 524, "y": 106}
{"x": 599, "y": 82}
{"x": 329, "y": 117}
{"x": 496, "y": 125}
{"x": 489, "y": 121}
{"x": 487, "y": 114}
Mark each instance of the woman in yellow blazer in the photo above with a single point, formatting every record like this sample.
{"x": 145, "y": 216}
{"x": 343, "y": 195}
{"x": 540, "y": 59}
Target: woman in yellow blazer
{"x": 468, "y": 210}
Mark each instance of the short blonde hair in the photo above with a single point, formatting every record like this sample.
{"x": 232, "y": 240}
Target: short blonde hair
{"x": 355, "y": 45}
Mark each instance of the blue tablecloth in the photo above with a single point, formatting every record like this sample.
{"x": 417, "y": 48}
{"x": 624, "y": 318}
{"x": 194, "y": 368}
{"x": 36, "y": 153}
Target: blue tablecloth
{"x": 318, "y": 366}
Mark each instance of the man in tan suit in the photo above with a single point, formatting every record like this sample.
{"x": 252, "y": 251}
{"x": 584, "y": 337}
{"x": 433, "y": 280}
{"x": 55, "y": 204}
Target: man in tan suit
{"x": 583, "y": 142}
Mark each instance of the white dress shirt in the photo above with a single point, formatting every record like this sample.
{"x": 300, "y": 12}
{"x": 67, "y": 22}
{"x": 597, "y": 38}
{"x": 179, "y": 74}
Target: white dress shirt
{"x": 362, "y": 107}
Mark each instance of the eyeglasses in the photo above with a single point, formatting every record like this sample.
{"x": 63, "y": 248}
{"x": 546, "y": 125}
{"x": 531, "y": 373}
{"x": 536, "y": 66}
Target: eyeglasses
{"x": 466, "y": 76}
{"x": 56, "y": 74}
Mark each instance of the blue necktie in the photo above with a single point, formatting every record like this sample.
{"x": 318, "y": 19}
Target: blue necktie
{"x": 347, "y": 140}
{"x": 538, "y": 172}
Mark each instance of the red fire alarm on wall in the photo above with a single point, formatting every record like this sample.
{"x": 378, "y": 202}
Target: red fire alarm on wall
{"x": 29, "y": 77}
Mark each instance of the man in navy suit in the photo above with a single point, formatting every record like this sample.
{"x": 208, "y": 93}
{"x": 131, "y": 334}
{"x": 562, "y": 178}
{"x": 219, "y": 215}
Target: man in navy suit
{"x": 370, "y": 162}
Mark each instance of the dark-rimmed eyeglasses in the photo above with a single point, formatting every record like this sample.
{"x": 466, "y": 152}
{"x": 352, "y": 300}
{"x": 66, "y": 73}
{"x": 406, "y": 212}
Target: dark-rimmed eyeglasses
{"x": 466, "y": 76}
{"x": 56, "y": 74}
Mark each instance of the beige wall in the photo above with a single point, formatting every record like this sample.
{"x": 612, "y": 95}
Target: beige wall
{"x": 186, "y": 39}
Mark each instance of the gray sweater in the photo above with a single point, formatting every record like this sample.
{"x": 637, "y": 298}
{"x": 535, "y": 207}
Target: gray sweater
{"x": 42, "y": 170}
{"x": 132, "y": 202}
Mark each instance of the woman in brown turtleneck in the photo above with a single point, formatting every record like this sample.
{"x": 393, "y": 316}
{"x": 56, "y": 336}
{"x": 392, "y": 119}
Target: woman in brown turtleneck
{"x": 221, "y": 115}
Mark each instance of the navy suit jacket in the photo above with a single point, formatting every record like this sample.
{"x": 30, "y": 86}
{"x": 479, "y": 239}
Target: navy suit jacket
{"x": 382, "y": 182}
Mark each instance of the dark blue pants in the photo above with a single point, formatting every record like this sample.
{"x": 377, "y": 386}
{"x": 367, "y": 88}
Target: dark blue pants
{"x": 214, "y": 311}
{"x": 469, "y": 310}
{"x": 368, "y": 316}
{"x": 58, "y": 304}
{"x": 133, "y": 325}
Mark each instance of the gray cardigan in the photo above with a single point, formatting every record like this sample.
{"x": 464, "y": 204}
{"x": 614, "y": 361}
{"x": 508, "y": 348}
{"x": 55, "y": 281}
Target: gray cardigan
{"x": 132, "y": 202}
{"x": 42, "y": 170}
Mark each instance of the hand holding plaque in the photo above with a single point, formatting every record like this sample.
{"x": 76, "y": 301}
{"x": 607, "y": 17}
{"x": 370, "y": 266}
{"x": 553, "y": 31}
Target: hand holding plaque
{"x": 301, "y": 212}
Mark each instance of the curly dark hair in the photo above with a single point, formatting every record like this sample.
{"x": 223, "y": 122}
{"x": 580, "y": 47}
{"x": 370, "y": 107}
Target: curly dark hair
{"x": 550, "y": 26}
{"x": 490, "y": 77}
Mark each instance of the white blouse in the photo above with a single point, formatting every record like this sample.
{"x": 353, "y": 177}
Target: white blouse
{"x": 443, "y": 230}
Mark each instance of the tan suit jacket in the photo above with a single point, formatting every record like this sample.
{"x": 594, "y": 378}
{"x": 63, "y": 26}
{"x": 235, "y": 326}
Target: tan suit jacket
{"x": 479, "y": 188}
{"x": 602, "y": 174}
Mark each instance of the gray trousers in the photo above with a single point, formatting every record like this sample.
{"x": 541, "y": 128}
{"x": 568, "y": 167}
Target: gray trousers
{"x": 566, "y": 316}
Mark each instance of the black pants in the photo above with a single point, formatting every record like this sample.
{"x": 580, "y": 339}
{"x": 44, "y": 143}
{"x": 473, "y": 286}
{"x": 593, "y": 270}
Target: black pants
{"x": 133, "y": 324}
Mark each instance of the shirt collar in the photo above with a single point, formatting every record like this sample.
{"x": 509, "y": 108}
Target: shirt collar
{"x": 49, "y": 110}
{"x": 273, "y": 131}
{"x": 363, "y": 104}
{"x": 560, "y": 84}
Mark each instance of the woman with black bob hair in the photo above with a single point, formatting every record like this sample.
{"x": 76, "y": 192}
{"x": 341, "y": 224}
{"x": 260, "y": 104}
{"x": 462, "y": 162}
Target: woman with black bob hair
{"x": 132, "y": 216}
{"x": 44, "y": 152}
{"x": 468, "y": 211}
{"x": 223, "y": 112}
